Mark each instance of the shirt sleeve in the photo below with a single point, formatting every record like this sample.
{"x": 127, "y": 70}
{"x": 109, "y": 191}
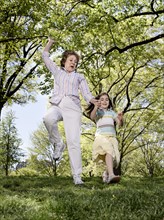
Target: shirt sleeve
{"x": 51, "y": 66}
{"x": 84, "y": 88}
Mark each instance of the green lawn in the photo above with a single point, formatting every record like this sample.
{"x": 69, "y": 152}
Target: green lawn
{"x": 54, "y": 198}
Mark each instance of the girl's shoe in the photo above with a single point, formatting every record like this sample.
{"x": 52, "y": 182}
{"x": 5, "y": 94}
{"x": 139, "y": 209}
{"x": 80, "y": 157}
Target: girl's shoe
{"x": 77, "y": 180}
{"x": 58, "y": 151}
{"x": 113, "y": 179}
{"x": 105, "y": 177}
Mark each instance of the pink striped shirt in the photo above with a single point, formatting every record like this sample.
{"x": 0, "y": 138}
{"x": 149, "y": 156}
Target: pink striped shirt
{"x": 66, "y": 84}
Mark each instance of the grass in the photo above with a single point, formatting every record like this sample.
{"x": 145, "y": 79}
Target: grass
{"x": 56, "y": 198}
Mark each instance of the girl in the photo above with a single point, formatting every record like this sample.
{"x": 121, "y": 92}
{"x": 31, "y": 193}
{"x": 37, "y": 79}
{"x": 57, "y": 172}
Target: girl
{"x": 65, "y": 106}
{"x": 105, "y": 146}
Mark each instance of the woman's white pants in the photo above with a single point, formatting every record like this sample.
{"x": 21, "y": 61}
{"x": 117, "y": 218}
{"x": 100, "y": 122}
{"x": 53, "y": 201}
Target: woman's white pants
{"x": 68, "y": 112}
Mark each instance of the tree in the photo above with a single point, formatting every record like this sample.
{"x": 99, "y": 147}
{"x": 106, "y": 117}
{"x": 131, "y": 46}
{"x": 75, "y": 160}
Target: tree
{"x": 41, "y": 157}
{"x": 19, "y": 43}
{"x": 106, "y": 34}
{"x": 121, "y": 48}
{"x": 151, "y": 146}
{"x": 10, "y": 143}
{"x": 153, "y": 155}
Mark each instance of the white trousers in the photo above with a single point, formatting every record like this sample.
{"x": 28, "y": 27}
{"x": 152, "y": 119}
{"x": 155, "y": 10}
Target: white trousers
{"x": 68, "y": 112}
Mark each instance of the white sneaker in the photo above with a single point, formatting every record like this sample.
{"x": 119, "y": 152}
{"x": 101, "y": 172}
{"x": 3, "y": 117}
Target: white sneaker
{"x": 77, "y": 180}
{"x": 58, "y": 151}
{"x": 105, "y": 177}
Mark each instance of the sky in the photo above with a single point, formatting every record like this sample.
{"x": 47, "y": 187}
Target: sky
{"x": 28, "y": 118}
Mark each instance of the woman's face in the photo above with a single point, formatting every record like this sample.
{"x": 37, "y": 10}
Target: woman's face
{"x": 104, "y": 102}
{"x": 71, "y": 63}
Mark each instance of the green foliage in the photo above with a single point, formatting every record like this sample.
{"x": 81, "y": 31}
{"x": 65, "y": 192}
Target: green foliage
{"x": 25, "y": 171}
{"x": 58, "y": 198}
{"x": 20, "y": 40}
{"x": 111, "y": 37}
{"x": 10, "y": 152}
{"x": 41, "y": 154}
{"x": 143, "y": 155}
{"x": 121, "y": 47}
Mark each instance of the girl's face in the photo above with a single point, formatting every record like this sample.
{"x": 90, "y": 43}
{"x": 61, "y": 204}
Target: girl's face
{"x": 71, "y": 63}
{"x": 104, "y": 102}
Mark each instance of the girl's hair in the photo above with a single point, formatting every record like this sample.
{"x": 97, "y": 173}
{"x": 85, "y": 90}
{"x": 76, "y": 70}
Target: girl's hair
{"x": 66, "y": 54}
{"x": 90, "y": 108}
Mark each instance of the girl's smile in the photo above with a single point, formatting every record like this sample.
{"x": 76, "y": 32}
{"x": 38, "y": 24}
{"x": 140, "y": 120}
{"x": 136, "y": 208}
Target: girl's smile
{"x": 104, "y": 102}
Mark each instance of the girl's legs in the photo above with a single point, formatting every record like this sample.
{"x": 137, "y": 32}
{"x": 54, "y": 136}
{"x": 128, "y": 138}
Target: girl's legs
{"x": 109, "y": 163}
{"x": 109, "y": 168}
{"x": 50, "y": 120}
{"x": 72, "y": 125}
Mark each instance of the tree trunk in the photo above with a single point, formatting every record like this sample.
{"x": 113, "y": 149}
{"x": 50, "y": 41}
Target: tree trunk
{"x": 54, "y": 168}
{"x": 6, "y": 170}
{"x": 117, "y": 171}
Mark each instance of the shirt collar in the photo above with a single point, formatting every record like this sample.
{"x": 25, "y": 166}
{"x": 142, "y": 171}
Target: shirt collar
{"x": 66, "y": 70}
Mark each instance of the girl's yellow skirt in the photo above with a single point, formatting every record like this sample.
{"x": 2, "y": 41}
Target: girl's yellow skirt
{"x": 104, "y": 144}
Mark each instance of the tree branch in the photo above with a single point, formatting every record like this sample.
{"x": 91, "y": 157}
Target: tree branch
{"x": 22, "y": 81}
{"x": 121, "y": 50}
{"x": 21, "y": 38}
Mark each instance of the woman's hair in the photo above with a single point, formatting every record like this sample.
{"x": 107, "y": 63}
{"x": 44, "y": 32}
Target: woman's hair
{"x": 66, "y": 54}
{"x": 90, "y": 108}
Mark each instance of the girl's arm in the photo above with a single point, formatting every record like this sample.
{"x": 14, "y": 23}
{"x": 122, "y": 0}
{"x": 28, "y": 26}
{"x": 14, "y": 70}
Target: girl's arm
{"x": 119, "y": 119}
{"x": 52, "y": 67}
{"x": 93, "y": 113}
{"x": 49, "y": 45}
